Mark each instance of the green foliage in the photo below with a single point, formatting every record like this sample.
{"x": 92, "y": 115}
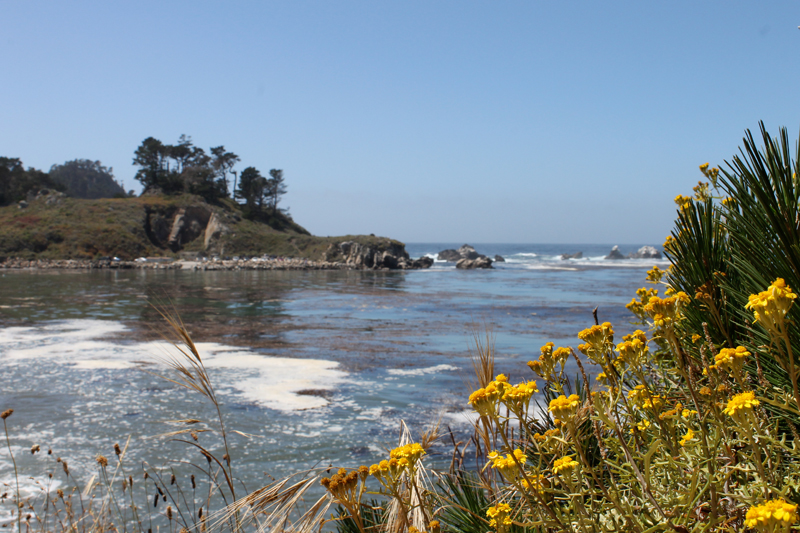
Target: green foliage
{"x": 175, "y": 169}
{"x": 16, "y": 182}
{"x": 83, "y": 178}
{"x": 722, "y": 252}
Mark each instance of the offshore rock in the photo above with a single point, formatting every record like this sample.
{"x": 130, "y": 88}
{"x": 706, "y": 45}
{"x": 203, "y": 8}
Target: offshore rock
{"x": 465, "y": 252}
{"x": 576, "y": 255}
{"x": 646, "y": 252}
{"x": 469, "y": 264}
{"x": 385, "y": 254}
{"x": 499, "y": 259}
{"x": 615, "y": 254}
{"x": 449, "y": 255}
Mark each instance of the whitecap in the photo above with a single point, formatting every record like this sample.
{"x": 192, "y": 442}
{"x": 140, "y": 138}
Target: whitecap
{"x": 421, "y": 371}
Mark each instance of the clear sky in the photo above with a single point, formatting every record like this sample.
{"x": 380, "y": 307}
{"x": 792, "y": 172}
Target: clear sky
{"x": 492, "y": 121}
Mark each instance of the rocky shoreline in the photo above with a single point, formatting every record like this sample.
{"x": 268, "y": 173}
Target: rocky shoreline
{"x": 242, "y": 264}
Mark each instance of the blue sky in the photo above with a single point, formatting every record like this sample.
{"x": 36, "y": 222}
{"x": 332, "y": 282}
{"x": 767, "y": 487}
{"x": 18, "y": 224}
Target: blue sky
{"x": 463, "y": 121}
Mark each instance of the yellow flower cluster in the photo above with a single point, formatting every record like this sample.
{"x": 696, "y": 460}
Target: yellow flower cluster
{"x": 537, "y": 482}
{"x": 687, "y": 437}
{"x": 701, "y": 191}
{"x": 545, "y": 367}
{"x": 770, "y": 306}
{"x": 684, "y": 202}
{"x": 507, "y": 466}
{"x": 343, "y": 485}
{"x": 710, "y": 173}
{"x": 484, "y": 400}
{"x": 731, "y": 359}
{"x": 741, "y": 405}
{"x": 565, "y": 465}
{"x": 401, "y": 459}
{"x": 516, "y": 398}
{"x": 598, "y": 340}
{"x": 666, "y": 311}
{"x": 770, "y": 516}
{"x": 410, "y": 452}
{"x": 637, "y": 306}
{"x": 633, "y": 351}
{"x": 655, "y": 275}
{"x": 565, "y": 408}
{"x": 499, "y": 515}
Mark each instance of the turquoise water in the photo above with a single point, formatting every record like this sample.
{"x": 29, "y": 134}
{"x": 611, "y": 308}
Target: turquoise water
{"x": 366, "y": 350}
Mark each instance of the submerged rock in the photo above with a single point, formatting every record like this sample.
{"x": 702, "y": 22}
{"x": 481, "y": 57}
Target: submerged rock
{"x": 646, "y": 252}
{"x": 615, "y": 254}
{"x": 576, "y": 255}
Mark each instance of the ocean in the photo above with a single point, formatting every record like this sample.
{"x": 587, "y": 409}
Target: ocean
{"x": 311, "y": 368}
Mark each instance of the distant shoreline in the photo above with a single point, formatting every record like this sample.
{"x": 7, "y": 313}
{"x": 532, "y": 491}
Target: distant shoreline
{"x": 241, "y": 264}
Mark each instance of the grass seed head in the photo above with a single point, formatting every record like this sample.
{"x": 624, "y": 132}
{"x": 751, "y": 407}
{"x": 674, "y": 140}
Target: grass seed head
{"x": 5, "y": 414}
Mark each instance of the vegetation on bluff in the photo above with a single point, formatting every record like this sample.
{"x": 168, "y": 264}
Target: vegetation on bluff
{"x": 185, "y": 206}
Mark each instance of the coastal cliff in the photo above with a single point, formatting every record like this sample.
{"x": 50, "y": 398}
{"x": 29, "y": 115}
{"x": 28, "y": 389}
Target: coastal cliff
{"x": 52, "y": 226}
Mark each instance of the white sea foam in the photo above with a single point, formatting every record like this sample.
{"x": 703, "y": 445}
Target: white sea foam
{"x": 82, "y": 344}
{"x": 421, "y": 371}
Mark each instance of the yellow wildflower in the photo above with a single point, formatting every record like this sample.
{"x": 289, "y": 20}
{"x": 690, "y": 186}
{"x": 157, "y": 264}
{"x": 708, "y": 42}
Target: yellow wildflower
{"x": 771, "y": 516}
{"x": 565, "y": 408}
{"x": 683, "y": 201}
{"x": 638, "y": 394}
{"x": 499, "y": 516}
{"x": 666, "y": 311}
{"x": 508, "y": 465}
{"x": 538, "y": 482}
{"x": 687, "y": 437}
{"x": 565, "y": 465}
{"x": 704, "y": 168}
{"x": 516, "y": 398}
{"x": 549, "y": 360}
{"x": 731, "y": 359}
{"x": 740, "y": 407}
{"x": 598, "y": 340}
{"x": 655, "y": 275}
{"x": 410, "y": 452}
{"x": 633, "y": 351}
{"x": 696, "y": 338}
{"x": 770, "y": 306}
{"x": 484, "y": 400}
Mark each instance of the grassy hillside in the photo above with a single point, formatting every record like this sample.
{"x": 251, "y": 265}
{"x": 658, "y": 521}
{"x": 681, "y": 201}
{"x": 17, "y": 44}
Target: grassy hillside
{"x": 57, "y": 227}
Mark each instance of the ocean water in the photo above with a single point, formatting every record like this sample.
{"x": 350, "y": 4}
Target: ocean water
{"x": 310, "y": 368}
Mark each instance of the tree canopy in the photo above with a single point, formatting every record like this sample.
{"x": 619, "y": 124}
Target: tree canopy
{"x": 16, "y": 182}
{"x": 183, "y": 167}
{"x": 83, "y": 178}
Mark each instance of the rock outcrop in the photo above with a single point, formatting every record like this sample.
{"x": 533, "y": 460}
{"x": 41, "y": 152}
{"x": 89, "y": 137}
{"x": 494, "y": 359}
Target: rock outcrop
{"x": 478, "y": 262}
{"x": 384, "y": 254}
{"x": 646, "y": 252}
{"x": 449, "y": 255}
{"x": 576, "y": 255}
{"x": 189, "y": 223}
{"x": 615, "y": 254}
{"x": 465, "y": 252}
{"x": 499, "y": 259}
